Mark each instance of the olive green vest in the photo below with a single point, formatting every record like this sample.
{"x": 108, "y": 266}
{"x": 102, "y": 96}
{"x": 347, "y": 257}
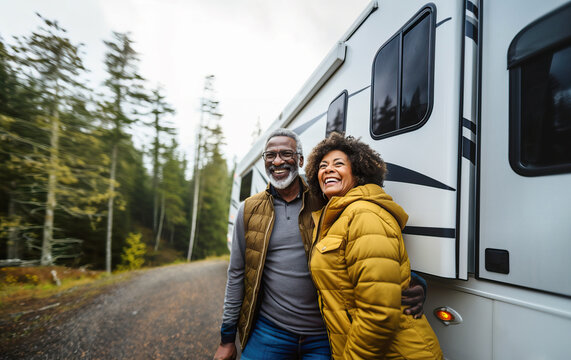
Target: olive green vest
{"x": 258, "y": 225}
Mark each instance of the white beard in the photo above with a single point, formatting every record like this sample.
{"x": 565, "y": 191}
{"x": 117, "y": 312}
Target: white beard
{"x": 282, "y": 184}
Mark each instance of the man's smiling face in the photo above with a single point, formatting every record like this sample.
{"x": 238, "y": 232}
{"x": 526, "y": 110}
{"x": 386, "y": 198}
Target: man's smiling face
{"x": 282, "y": 172}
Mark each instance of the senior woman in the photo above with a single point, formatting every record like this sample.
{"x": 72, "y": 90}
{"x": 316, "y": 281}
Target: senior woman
{"x": 358, "y": 261}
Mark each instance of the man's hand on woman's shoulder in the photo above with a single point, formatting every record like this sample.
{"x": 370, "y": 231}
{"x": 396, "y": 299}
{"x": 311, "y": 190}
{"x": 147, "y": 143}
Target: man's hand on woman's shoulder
{"x": 414, "y": 297}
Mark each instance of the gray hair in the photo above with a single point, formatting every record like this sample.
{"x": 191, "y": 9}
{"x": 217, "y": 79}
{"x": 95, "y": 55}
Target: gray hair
{"x": 288, "y": 133}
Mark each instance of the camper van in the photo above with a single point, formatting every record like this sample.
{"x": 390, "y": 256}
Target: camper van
{"x": 469, "y": 103}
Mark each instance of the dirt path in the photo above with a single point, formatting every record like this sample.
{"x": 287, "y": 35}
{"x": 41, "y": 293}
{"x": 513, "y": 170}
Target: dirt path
{"x": 172, "y": 312}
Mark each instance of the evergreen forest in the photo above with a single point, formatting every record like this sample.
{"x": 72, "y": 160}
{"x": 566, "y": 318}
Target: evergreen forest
{"x": 75, "y": 188}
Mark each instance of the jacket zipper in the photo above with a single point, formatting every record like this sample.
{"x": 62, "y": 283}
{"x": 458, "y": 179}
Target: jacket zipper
{"x": 317, "y": 233}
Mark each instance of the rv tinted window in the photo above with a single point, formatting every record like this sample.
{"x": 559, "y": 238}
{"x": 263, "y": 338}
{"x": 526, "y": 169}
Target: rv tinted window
{"x": 401, "y": 89}
{"x": 541, "y": 114}
{"x": 414, "y": 103}
{"x": 385, "y": 85}
{"x": 337, "y": 114}
{"x": 246, "y": 186}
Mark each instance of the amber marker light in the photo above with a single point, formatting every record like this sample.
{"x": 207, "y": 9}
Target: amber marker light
{"x": 444, "y": 315}
{"x": 447, "y": 315}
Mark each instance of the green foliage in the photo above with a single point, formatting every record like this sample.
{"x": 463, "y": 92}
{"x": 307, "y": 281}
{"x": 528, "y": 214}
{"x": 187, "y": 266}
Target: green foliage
{"x": 46, "y": 125}
{"x": 125, "y": 87}
{"x": 133, "y": 256}
{"x": 214, "y": 201}
{"x": 172, "y": 186}
{"x": 159, "y": 110}
{"x": 55, "y": 126}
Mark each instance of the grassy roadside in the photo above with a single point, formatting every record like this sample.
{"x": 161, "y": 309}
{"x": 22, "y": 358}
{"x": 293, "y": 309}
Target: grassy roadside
{"x": 32, "y": 302}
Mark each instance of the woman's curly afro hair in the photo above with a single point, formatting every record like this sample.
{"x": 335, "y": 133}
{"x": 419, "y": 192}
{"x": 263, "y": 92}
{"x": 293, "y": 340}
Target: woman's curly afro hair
{"x": 367, "y": 165}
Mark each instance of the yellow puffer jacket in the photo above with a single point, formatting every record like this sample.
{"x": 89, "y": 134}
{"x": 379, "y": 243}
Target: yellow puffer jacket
{"x": 360, "y": 266}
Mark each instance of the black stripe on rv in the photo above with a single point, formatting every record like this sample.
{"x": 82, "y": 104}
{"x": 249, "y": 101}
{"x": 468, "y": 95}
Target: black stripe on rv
{"x": 398, "y": 173}
{"x": 471, "y": 28}
{"x": 469, "y": 125}
{"x": 300, "y": 129}
{"x": 266, "y": 180}
{"x": 472, "y": 31}
{"x": 443, "y": 21}
{"x": 358, "y": 91}
{"x": 234, "y": 204}
{"x": 468, "y": 146}
{"x": 469, "y": 150}
{"x": 471, "y": 7}
{"x": 430, "y": 231}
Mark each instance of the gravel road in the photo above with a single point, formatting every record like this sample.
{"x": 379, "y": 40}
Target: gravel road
{"x": 172, "y": 312}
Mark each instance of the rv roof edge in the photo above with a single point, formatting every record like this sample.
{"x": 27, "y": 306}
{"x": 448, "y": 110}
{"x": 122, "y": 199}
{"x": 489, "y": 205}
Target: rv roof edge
{"x": 332, "y": 61}
{"x": 373, "y": 5}
{"x": 326, "y": 68}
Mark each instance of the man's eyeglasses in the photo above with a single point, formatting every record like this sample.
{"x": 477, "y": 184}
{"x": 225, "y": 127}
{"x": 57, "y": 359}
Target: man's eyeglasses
{"x": 285, "y": 155}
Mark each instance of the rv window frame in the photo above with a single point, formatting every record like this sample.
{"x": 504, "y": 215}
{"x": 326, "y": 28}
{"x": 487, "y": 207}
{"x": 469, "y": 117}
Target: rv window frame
{"x": 431, "y": 10}
{"x": 249, "y": 174}
{"x": 345, "y": 102}
{"x": 517, "y": 57}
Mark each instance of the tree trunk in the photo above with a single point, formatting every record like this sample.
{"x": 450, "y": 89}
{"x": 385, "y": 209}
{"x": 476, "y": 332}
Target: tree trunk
{"x": 194, "y": 213}
{"x": 110, "y": 209}
{"x": 155, "y": 207}
{"x": 156, "y": 174}
{"x": 47, "y": 258}
{"x": 196, "y": 190}
{"x": 160, "y": 230}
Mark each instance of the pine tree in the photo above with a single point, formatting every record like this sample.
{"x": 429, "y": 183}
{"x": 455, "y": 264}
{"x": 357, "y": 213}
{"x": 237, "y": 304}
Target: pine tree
{"x": 160, "y": 109}
{"x": 208, "y": 112}
{"x": 214, "y": 204}
{"x": 56, "y": 178}
{"x": 125, "y": 87}
{"x": 16, "y": 103}
{"x": 171, "y": 191}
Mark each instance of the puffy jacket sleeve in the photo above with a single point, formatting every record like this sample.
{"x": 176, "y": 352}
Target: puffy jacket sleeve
{"x": 372, "y": 255}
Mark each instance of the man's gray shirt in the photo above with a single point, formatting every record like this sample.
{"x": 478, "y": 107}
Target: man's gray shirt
{"x": 288, "y": 298}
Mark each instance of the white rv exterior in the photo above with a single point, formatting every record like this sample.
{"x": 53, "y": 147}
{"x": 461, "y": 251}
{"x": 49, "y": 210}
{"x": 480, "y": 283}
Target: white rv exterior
{"x": 469, "y": 103}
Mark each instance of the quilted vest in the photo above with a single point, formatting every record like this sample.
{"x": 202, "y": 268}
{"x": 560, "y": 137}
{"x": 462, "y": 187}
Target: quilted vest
{"x": 258, "y": 224}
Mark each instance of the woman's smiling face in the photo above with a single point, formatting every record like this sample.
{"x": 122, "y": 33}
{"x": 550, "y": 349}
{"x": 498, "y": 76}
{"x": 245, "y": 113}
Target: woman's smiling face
{"x": 335, "y": 175}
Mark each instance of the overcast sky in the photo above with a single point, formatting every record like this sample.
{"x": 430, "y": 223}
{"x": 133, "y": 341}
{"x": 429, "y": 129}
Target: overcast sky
{"x": 261, "y": 51}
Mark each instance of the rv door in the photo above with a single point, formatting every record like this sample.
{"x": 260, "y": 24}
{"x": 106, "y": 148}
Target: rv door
{"x": 525, "y": 145}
